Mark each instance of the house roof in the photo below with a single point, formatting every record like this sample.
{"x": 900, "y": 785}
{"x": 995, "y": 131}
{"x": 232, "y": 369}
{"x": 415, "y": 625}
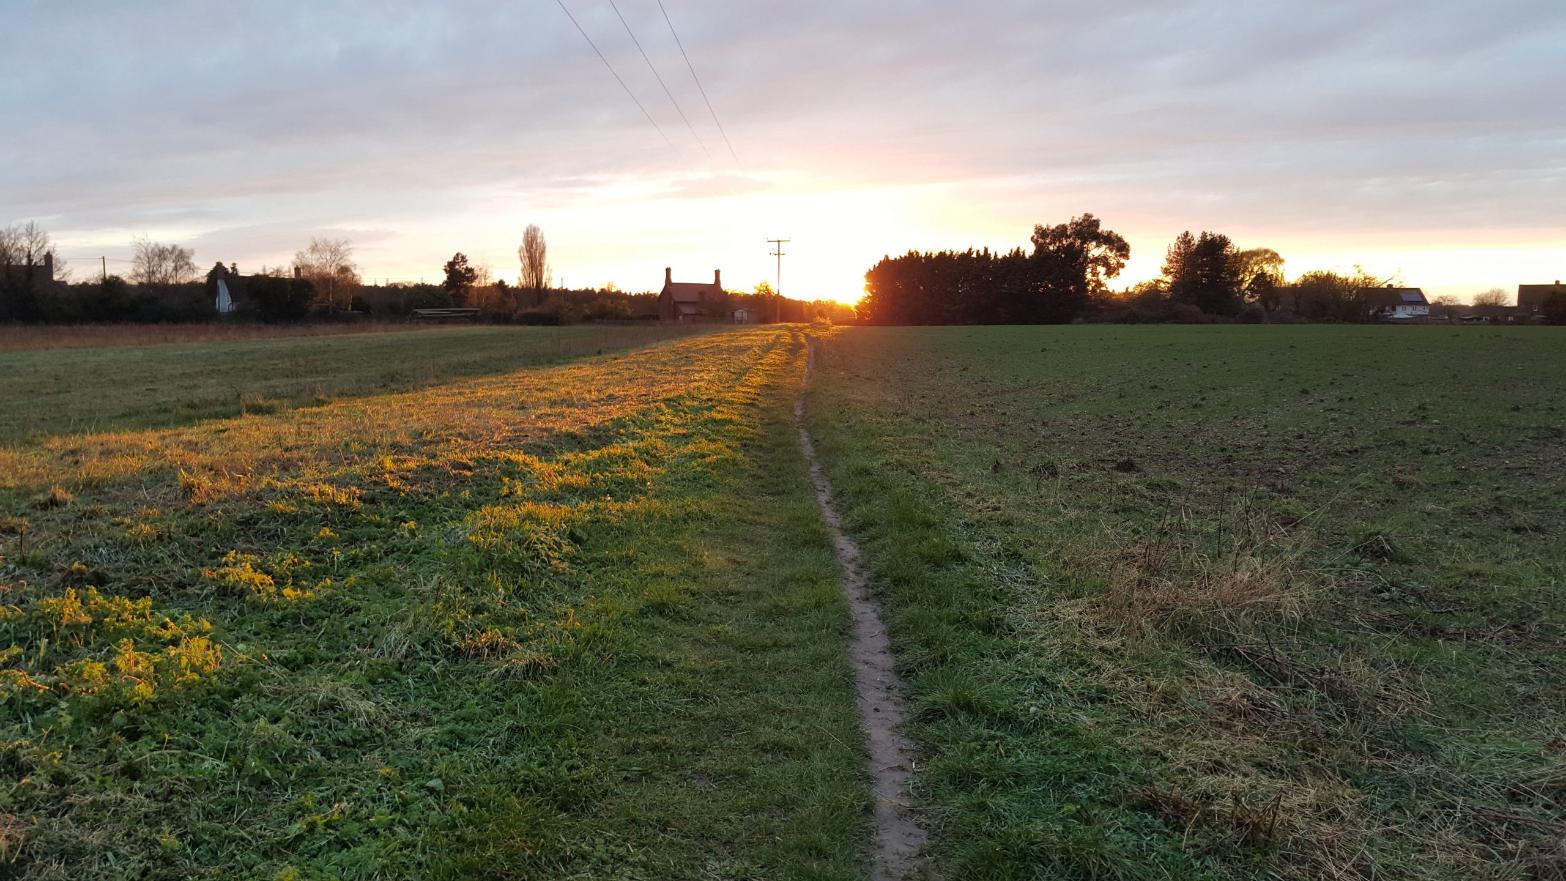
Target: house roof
{"x": 690, "y": 292}
{"x": 1533, "y": 295}
{"x": 1385, "y": 298}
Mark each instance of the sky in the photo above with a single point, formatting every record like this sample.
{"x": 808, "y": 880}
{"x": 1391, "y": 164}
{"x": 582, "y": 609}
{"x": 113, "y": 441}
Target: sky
{"x": 1424, "y": 139}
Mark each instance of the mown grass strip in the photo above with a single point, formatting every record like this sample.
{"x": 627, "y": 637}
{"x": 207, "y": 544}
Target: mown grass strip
{"x": 576, "y": 622}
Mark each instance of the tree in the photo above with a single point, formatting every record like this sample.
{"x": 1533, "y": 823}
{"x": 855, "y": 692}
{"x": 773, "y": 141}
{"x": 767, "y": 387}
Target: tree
{"x": 328, "y": 265}
{"x": 1328, "y": 296}
{"x": 1446, "y": 306}
{"x": 1554, "y": 308}
{"x": 158, "y": 265}
{"x": 1071, "y": 266}
{"x": 1255, "y": 263}
{"x": 24, "y": 244}
{"x": 1204, "y": 272}
{"x": 534, "y": 254}
{"x": 278, "y": 298}
{"x": 26, "y": 256}
{"x": 1494, "y": 298}
{"x": 460, "y": 277}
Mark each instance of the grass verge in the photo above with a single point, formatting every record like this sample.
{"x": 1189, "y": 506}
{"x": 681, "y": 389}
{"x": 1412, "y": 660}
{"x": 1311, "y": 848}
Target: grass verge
{"x": 570, "y": 622}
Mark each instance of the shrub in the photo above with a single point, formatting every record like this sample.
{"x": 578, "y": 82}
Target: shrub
{"x": 540, "y": 317}
{"x": 1252, "y": 314}
{"x": 1555, "y": 308}
{"x": 280, "y": 299}
{"x": 1185, "y": 313}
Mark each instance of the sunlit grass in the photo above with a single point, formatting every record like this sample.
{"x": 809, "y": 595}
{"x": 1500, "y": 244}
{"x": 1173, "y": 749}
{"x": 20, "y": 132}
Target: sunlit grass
{"x": 486, "y": 629}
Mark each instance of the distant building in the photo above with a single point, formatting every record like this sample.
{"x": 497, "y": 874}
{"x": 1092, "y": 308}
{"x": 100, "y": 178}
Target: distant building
{"x": 1395, "y": 304}
{"x": 693, "y": 301}
{"x": 24, "y": 286}
{"x": 1531, "y": 297}
{"x": 222, "y": 284}
{"x": 39, "y": 274}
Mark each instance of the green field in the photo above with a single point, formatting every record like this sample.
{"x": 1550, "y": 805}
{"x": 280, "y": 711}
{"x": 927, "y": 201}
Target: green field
{"x": 1172, "y": 603}
{"x": 1220, "y": 602}
{"x": 53, "y": 391}
{"x": 577, "y": 621}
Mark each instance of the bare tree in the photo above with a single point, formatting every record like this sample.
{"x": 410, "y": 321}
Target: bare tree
{"x": 1491, "y": 299}
{"x": 157, "y": 264}
{"x": 328, "y": 265}
{"x": 24, "y": 244}
{"x": 534, "y": 254}
{"x": 27, "y": 261}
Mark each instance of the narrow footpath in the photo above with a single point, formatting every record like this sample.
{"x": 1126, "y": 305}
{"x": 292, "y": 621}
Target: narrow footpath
{"x": 900, "y": 837}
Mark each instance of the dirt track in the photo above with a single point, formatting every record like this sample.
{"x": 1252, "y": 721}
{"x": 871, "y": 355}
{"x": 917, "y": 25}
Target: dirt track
{"x": 900, "y": 837}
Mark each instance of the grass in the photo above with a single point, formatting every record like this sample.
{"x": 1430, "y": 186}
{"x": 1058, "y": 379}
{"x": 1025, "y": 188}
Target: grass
{"x": 33, "y": 337}
{"x": 1219, "y": 602}
{"x": 575, "y": 621}
{"x": 126, "y": 384}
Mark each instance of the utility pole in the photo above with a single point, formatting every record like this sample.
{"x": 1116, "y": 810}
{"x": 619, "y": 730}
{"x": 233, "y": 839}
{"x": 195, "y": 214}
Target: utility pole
{"x": 777, "y": 293}
{"x": 105, "y": 262}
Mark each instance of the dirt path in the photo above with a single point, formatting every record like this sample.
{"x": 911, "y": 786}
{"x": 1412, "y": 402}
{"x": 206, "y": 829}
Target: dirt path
{"x": 899, "y": 835}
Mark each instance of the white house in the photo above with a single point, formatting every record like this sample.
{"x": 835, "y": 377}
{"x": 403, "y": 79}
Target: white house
{"x": 1396, "y": 304}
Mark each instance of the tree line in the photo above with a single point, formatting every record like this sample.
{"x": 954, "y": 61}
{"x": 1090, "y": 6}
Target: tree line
{"x": 1065, "y": 278}
{"x": 165, "y": 284}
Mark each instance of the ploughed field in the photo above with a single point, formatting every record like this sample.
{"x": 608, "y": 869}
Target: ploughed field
{"x": 575, "y": 620}
{"x": 1219, "y": 602}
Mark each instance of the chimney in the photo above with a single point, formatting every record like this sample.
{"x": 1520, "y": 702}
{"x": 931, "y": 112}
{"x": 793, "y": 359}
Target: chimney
{"x": 717, "y": 278}
{"x": 296, "y": 272}
{"x": 49, "y": 266}
{"x": 668, "y": 276}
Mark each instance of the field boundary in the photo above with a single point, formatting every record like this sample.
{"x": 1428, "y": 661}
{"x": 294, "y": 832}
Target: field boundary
{"x": 900, "y": 834}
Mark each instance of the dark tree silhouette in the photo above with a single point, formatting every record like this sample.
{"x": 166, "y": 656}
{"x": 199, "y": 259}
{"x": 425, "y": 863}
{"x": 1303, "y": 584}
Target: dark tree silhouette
{"x": 1057, "y": 283}
{"x": 1554, "y": 308}
{"x": 460, "y": 276}
{"x": 1204, "y": 272}
{"x": 1072, "y": 263}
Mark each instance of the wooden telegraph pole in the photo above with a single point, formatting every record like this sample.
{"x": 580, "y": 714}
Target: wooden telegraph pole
{"x": 777, "y": 293}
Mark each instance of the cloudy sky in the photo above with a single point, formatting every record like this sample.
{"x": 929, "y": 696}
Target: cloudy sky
{"x": 1425, "y": 139}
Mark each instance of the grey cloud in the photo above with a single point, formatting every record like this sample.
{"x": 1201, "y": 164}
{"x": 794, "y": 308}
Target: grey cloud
{"x": 1299, "y": 114}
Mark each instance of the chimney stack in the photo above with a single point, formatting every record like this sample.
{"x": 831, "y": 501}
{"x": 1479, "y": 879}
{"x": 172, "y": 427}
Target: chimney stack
{"x": 49, "y": 266}
{"x": 668, "y": 276}
{"x": 717, "y": 278}
{"x": 296, "y": 272}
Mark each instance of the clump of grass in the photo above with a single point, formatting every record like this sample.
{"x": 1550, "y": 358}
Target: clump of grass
{"x": 56, "y": 497}
{"x": 244, "y": 573}
{"x": 485, "y": 642}
{"x": 1185, "y": 580}
{"x": 1380, "y": 546}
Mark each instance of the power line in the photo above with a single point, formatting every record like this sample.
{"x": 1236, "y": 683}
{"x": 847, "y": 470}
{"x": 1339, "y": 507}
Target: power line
{"x": 699, "y": 86}
{"x": 612, "y": 73}
{"x": 656, "y": 76}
